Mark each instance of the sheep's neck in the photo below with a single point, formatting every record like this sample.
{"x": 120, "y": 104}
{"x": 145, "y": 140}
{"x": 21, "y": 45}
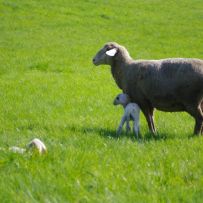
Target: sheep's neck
{"x": 119, "y": 68}
{"x": 118, "y": 73}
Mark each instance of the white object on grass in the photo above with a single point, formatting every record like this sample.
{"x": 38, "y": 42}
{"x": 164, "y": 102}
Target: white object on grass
{"x": 38, "y": 145}
{"x": 17, "y": 149}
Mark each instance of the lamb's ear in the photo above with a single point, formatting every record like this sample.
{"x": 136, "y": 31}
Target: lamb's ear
{"x": 111, "y": 52}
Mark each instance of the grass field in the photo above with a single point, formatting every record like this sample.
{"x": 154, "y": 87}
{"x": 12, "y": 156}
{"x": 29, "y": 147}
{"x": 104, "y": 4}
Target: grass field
{"x": 50, "y": 89}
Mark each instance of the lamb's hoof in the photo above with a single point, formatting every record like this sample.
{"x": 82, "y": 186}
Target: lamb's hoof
{"x": 128, "y": 130}
{"x": 118, "y": 132}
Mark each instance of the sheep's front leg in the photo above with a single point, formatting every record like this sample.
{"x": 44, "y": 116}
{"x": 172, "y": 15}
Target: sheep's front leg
{"x": 123, "y": 119}
{"x": 150, "y": 120}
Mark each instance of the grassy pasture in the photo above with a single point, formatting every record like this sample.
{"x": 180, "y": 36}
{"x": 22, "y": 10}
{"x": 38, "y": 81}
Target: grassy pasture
{"x": 49, "y": 89}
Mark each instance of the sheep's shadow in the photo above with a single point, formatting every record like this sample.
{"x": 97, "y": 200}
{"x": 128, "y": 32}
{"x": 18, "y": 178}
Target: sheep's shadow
{"x": 148, "y": 136}
{"x": 109, "y": 133}
{"x": 104, "y": 132}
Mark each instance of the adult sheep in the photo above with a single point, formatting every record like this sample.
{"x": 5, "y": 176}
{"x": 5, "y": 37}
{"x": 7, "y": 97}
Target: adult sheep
{"x": 171, "y": 85}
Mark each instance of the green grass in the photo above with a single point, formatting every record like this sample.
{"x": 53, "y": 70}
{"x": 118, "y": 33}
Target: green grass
{"x": 49, "y": 89}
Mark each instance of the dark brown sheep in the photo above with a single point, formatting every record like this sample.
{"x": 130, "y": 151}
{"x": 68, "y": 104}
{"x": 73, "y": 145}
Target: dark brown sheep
{"x": 171, "y": 85}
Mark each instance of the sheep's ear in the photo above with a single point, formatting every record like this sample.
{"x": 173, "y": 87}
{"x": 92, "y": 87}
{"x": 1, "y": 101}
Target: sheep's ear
{"x": 111, "y": 52}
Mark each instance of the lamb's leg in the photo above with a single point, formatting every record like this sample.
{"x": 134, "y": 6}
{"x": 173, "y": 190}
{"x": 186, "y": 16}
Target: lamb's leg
{"x": 123, "y": 119}
{"x": 128, "y": 125}
{"x": 136, "y": 129}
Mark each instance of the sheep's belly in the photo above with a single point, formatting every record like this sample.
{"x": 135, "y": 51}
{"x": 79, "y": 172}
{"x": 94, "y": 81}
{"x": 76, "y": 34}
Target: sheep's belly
{"x": 173, "y": 108}
{"x": 169, "y": 106}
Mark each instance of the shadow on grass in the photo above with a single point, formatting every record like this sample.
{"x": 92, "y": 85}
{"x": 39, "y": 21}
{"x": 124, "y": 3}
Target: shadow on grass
{"x": 109, "y": 133}
{"x": 104, "y": 132}
{"x": 158, "y": 136}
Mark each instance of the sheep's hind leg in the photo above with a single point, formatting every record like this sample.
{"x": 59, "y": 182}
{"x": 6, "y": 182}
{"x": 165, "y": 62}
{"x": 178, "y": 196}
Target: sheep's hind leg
{"x": 198, "y": 130}
{"x": 202, "y": 113}
{"x": 198, "y": 116}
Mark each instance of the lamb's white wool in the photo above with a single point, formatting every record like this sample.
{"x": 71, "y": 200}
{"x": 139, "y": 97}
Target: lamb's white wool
{"x": 131, "y": 112}
{"x": 122, "y": 99}
{"x": 38, "y": 145}
{"x": 17, "y": 149}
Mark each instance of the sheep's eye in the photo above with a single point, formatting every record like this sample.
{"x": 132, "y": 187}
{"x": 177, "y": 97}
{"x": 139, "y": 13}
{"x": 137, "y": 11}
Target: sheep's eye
{"x": 117, "y": 98}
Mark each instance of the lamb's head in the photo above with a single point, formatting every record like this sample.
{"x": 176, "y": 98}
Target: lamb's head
{"x": 109, "y": 53}
{"x": 122, "y": 99}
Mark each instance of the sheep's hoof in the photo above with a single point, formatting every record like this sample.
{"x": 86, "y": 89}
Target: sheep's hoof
{"x": 154, "y": 134}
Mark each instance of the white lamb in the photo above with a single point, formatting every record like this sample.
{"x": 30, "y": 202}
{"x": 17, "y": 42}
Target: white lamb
{"x": 132, "y": 112}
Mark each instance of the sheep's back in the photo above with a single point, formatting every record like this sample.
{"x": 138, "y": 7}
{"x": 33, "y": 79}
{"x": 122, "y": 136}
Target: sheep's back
{"x": 167, "y": 84}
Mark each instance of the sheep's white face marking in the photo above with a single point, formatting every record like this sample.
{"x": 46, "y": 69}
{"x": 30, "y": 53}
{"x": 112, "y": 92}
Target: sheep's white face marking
{"x": 111, "y": 52}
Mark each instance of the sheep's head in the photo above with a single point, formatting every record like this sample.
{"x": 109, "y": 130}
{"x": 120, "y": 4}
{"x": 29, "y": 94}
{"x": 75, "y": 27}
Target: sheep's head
{"x": 122, "y": 99}
{"x": 106, "y": 54}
